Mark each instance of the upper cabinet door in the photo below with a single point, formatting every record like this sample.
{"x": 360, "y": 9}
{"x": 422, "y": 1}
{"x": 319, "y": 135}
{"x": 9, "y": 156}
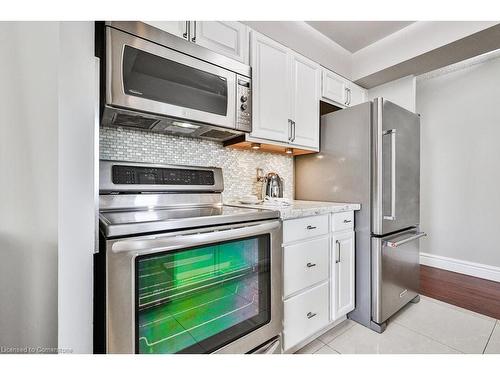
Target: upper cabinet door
{"x": 306, "y": 77}
{"x": 271, "y": 87}
{"x": 179, "y": 28}
{"x": 228, "y": 38}
{"x": 356, "y": 95}
{"x": 334, "y": 87}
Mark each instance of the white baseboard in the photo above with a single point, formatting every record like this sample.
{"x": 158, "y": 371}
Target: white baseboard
{"x": 482, "y": 271}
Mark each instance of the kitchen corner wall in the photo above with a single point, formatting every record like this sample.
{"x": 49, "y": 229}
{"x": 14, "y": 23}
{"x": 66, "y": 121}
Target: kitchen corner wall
{"x": 238, "y": 166}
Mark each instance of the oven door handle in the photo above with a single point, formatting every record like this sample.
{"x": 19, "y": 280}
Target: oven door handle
{"x": 154, "y": 245}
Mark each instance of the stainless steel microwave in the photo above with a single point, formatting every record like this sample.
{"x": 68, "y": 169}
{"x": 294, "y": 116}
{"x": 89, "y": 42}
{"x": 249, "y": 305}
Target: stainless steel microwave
{"x": 159, "y": 82}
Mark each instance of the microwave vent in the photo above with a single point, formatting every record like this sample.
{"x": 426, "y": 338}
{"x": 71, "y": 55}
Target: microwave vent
{"x": 217, "y": 134}
{"x": 121, "y": 119}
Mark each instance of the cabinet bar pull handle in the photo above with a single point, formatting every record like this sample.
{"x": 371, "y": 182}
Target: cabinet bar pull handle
{"x": 310, "y": 315}
{"x": 310, "y": 227}
{"x": 347, "y": 221}
{"x": 185, "y": 35}
{"x": 309, "y": 265}
{"x": 289, "y": 130}
{"x": 193, "y": 39}
{"x": 337, "y": 256}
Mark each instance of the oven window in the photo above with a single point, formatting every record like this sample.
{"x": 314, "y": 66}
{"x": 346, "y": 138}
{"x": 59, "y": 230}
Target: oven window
{"x": 199, "y": 299}
{"x": 156, "y": 78}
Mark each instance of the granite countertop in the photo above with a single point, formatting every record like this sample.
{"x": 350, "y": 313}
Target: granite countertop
{"x": 299, "y": 209}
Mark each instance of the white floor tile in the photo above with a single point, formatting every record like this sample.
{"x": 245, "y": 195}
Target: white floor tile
{"x": 473, "y": 313}
{"x": 493, "y": 346}
{"x": 454, "y": 327}
{"x": 336, "y": 331}
{"x": 395, "y": 340}
{"x": 310, "y": 348}
{"x": 326, "y": 350}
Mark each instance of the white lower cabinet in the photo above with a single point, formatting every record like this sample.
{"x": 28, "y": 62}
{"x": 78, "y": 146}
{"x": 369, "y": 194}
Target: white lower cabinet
{"x": 305, "y": 314}
{"x": 318, "y": 274}
{"x": 307, "y": 262}
{"x": 342, "y": 277}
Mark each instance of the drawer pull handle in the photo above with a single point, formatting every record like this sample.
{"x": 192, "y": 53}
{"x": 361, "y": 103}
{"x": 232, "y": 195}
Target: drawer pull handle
{"x": 310, "y": 315}
{"x": 347, "y": 221}
{"x": 311, "y": 227}
{"x": 309, "y": 265}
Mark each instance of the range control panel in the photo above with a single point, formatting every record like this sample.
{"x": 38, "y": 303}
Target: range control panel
{"x": 134, "y": 175}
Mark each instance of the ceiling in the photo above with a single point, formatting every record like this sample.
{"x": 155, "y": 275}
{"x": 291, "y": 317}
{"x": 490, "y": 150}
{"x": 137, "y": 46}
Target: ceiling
{"x": 355, "y": 35}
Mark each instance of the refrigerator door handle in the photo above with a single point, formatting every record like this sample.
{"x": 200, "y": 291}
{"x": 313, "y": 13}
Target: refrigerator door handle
{"x": 392, "y": 133}
{"x": 406, "y": 240}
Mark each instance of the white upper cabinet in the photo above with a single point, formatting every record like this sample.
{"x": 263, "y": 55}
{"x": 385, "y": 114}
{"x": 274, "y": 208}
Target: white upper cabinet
{"x": 306, "y": 78}
{"x": 333, "y": 87}
{"x": 228, "y": 38}
{"x": 178, "y": 28}
{"x": 339, "y": 90}
{"x": 286, "y": 92}
{"x": 357, "y": 95}
{"x": 270, "y": 78}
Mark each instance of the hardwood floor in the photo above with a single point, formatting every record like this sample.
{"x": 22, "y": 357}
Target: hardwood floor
{"x": 472, "y": 293}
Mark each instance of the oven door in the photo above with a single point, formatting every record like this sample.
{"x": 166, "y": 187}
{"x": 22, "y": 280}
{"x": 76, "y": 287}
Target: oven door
{"x": 147, "y": 77}
{"x": 216, "y": 290}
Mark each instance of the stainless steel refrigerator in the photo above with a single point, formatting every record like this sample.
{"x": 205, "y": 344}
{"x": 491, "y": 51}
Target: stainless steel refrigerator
{"x": 370, "y": 154}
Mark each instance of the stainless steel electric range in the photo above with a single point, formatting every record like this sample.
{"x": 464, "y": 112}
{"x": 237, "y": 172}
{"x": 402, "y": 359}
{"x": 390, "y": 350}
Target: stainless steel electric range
{"x": 179, "y": 272}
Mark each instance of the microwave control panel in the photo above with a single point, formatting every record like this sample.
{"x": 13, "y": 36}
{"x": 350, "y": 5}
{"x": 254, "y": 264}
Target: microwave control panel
{"x": 244, "y": 104}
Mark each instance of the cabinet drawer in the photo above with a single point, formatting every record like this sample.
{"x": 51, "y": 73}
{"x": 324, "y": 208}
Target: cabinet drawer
{"x": 305, "y": 264}
{"x": 342, "y": 221}
{"x": 303, "y": 228}
{"x": 305, "y": 314}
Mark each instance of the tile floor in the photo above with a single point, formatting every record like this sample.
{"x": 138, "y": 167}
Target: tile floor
{"x": 428, "y": 327}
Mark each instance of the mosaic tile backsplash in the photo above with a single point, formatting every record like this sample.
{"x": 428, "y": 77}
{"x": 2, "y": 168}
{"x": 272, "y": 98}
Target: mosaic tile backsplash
{"x": 238, "y": 166}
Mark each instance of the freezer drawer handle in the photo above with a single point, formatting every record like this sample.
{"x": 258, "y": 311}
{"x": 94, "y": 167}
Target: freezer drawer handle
{"x": 402, "y": 242}
{"x": 309, "y": 265}
{"x": 310, "y": 315}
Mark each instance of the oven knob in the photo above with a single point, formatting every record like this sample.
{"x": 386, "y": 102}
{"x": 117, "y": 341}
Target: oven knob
{"x": 244, "y": 98}
{"x": 243, "y": 106}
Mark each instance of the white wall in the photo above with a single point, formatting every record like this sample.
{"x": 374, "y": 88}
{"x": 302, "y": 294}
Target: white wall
{"x": 28, "y": 188}
{"x": 460, "y": 156}
{"x": 77, "y": 96}
{"x": 46, "y": 189}
{"x": 401, "y": 92}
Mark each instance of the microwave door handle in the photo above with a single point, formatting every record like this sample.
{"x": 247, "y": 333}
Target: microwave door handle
{"x": 154, "y": 245}
{"x": 392, "y": 133}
